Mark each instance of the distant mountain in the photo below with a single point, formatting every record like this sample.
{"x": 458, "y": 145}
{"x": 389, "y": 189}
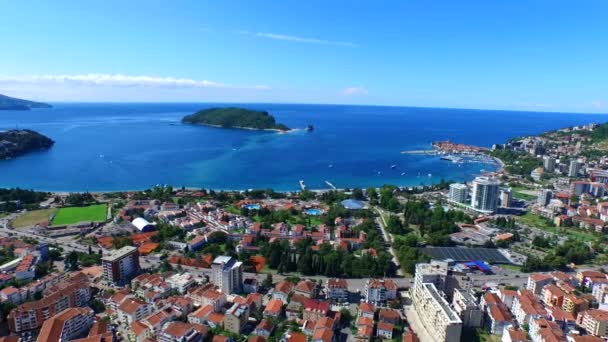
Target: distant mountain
{"x": 233, "y": 117}
{"x": 16, "y": 142}
{"x": 12, "y": 103}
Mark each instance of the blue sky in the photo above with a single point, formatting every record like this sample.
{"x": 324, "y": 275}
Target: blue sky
{"x": 549, "y": 55}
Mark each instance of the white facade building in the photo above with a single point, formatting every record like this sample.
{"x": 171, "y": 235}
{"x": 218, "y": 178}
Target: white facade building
{"x": 459, "y": 192}
{"x": 485, "y": 194}
{"x": 227, "y": 274}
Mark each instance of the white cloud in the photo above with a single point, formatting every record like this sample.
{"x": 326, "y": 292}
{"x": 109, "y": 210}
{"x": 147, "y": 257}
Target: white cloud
{"x": 354, "y": 91}
{"x": 120, "y": 81}
{"x": 598, "y": 104}
{"x": 296, "y": 39}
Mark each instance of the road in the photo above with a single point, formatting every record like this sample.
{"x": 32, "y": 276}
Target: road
{"x": 388, "y": 238}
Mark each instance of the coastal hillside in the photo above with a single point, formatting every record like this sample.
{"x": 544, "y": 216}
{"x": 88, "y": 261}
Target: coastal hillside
{"x": 13, "y": 103}
{"x": 233, "y": 117}
{"x": 14, "y": 143}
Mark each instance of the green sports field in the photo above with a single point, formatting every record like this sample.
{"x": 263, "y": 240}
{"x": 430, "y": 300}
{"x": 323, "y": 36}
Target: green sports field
{"x": 73, "y": 215}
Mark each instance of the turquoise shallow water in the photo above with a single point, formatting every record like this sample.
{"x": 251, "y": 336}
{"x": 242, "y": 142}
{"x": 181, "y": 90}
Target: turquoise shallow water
{"x": 134, "y": 146}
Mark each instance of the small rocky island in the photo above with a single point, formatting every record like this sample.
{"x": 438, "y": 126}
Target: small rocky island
{"x": 233, "y": 117}
{"x": 13, "y": 103}
{"x": 17, "y": 142}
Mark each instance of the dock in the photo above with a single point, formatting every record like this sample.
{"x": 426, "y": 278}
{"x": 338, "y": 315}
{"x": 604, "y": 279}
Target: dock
{"x": 302, "y": 185}
{"x": 330, "y": 185}
{"x": 428, "y": 152}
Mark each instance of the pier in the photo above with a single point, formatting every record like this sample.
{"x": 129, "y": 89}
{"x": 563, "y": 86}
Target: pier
{"x": 428, "y": 152}
{"x": 330, "y": 185}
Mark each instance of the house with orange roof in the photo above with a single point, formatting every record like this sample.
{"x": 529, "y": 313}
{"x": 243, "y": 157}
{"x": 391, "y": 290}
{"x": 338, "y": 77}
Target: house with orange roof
{"x": 380, "y": 290}
{"x": 385, "y": 330}
{"x": 10, "y": 294}
{"x": 140, "y": 332}
{"x": 296, "y": 337}
{"x": 133, "y": 309}
{"x": 315, "y": 309}
{"x": 574, "y": 304}
{"x": 323, "y": 335}
{"x": 208, "y": 296}
{"x": 157, "y": 319}
{"x": 527, "y": 307}
{"x": 199, "y": 316}
{"x": 536, "y": 282}
{"x": 264, "y": 328}
{"x": 367, "y": 310}
{"x": 336, "y": 289}
{"x": 306, "y": 288}
{"x": 514, "y": 335}
{"x": 552, "y": 295}
{"x": 180, "y": 332}
{"x": 215, "y": 319}
{"x": 544, "y": 330}
{"x": 274, "y": 308}
{"x": 389, "y": 316}
{"x": 282, "y": 290}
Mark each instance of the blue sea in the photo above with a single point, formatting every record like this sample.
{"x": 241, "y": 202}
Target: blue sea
{"x": 104, "y": 147}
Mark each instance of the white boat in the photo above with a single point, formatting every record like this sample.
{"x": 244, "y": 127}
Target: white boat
{"x": 393, "y": 166}
{"x": 403, "y": 173}
{"x": 330, "y": 165}
{"x": 430, "y": 175}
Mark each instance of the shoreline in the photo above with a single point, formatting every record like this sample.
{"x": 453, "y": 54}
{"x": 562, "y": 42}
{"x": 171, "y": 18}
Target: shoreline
{"x": 275, "y": 130}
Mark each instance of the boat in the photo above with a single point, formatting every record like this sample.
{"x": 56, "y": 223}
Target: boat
{"x": 330, "y": 166}
{"x": 452, "y": 158}
{"x": 403, "y": 173}
{"x": 302, "y": 185}
{"x": 430, "y": 175}
{"x": 309, "y": 128}
{"x": 393, "y": 166}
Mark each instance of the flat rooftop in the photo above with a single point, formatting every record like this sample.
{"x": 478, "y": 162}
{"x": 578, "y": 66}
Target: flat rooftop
{"x": 445, "y": 307}
{"x": 119, "y": 253}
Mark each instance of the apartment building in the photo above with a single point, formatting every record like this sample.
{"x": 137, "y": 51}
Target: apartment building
{"x": 336, "y": 290}
{"x": 227, "y": 274}
{"x": 67, "y": 325}
{"x": 74, "y": 292}
{"x": 236, "y": 317}
{"x": 380, "y": 290}
{"x": 120, "y": 266}
{"x": 438, "y": 318}
{"x": 595, "y": 322}
{"x": 466, "y": 307}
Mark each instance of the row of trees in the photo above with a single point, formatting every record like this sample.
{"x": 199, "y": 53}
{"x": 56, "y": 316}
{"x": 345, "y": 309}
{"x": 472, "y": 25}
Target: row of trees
{"x": 326, "y": 261}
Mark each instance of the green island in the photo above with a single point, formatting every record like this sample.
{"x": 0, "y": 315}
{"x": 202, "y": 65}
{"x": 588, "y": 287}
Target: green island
{"x": 12, "y": 103}
{"x": 233, "y": 117}
{"x": 17, "y": 142}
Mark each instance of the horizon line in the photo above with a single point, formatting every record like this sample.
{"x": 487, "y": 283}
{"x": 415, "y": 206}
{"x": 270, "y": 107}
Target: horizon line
{"x": 323, "y": 104}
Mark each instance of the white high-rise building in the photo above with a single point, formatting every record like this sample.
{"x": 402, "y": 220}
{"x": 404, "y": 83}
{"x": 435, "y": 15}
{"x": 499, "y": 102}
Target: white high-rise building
{"x": 458, "y": 192}
{"x": 484, "y": 197}
{"x": 574, "y": 168}
{"x": 506, "y": 196}
{"x": 440, "y": 320}
{"x": 549, "y": 163}
{"x": 227, "y": 274}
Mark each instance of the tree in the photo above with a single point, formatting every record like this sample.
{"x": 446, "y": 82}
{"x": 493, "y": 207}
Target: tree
{"x": 97, "y": 306}
{"x": 71, "y": 261}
